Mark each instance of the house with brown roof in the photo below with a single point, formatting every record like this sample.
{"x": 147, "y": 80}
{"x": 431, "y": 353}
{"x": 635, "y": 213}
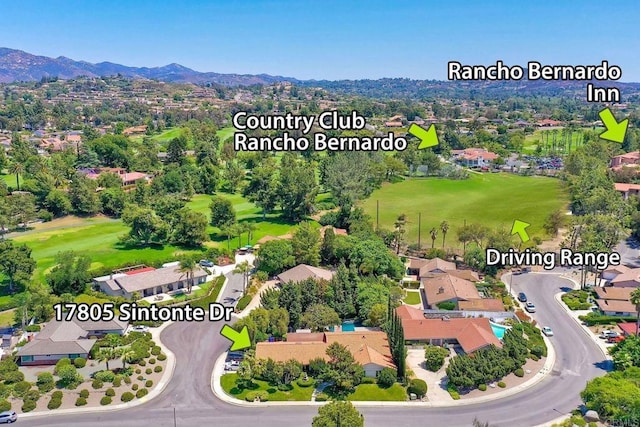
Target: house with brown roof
{"x": 148, "y": 281}
{"x": 370, "y": 349}
{"x": 72, "y": 339}
{"x": 631, "y": 159}
{"x": 628, "y": 279}
{"x": 627, "y": 190}
{"x": 615, "y": 301}
{"x": 447, "y": 288}
{"x": 470, "y": 333}
{"x": 474, "y": 157}
{"x": 614, "y": 271}
{"x": 302, "y": 272}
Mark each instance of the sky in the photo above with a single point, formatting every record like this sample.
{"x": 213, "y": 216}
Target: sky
{"x": 328, "y": 39}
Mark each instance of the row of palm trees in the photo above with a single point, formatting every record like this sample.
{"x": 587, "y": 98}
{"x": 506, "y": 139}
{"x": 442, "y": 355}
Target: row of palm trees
{"x": 237, "y": 230}
{"x": 112, "y": 352}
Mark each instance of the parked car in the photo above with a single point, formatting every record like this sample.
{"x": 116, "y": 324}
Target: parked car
{"x": 530, "y": 307}
{"x": 615, "y": 340}
{"x": 606, "y": 334}
{"x": 206, "y": 263}
{"x": 522, "y": 297}
{"x": 140, "y": 328}
{"x": 8, "y": 417}
{"x": 547, "y": 331}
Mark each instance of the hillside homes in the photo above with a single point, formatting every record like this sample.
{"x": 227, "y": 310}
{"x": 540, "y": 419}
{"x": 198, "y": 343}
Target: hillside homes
{"x": 474, "y": 157}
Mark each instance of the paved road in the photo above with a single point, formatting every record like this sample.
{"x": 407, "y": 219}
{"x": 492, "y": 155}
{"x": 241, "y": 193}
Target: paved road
{"x": 629, "y": 253}
{"x": 233, "y": 290}
{"x": 196, "y": 346}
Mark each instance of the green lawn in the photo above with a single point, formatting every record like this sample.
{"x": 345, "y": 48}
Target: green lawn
{"x": 412, "y": 298}
{"x": 371, "y": 392}
{"x": 10, "y": 180}
{"x": 167, "y": 135}
{"x": 226, "y": 133}
{"x": 531, "y": 141}
{"x": 491, "y": 199}
{"x": 228, "y": 382}
{"x": 6, "y": 318}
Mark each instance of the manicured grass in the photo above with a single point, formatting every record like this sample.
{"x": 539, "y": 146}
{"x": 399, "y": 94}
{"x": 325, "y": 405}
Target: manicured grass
{"x": 412, "y": 298}
{"x": 531, "y": 141}
{"x": 213, "y": 296}
{"x": 371, "y": 392}
{"x": 228, "y": 382}
{"x": 10, "y": 180}
{"x": 89, "y": 299}
{"x": 6, "y": 318}
{"x": 225, "y": 133}
{"x": 167, "y": 135}
{"x": 494, "y": 200}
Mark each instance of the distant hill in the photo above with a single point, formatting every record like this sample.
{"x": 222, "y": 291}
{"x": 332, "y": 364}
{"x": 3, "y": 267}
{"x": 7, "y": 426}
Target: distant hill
{"x": 17, "y": 65}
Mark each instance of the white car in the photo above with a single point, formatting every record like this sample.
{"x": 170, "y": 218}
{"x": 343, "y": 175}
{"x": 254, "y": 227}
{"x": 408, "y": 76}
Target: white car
{"x": 140, "y": 328}
{"x": 547, "y": 331}
{"x": 530, "y": 307}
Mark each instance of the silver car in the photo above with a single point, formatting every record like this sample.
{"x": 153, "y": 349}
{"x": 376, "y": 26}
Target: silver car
{"x": 8, "y": 417}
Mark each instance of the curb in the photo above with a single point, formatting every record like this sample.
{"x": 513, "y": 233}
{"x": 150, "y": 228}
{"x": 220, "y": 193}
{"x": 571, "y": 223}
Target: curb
{"x": 157, "y": 390}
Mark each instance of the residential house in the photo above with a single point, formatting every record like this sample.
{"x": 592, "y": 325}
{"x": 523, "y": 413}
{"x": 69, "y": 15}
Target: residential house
{"x": 549, "y": 123}
{"x": 628, "y": 279}
{"x": 631, "y": 159}
{"x": 474, "y": 157}
{"x": 615, "y": 301}
{"x": 370, "y": 349}
{"x": 628, "y": 328}
{"x": 303, "y": 272}
{"x": 148, "y": 281}
{"x": 627, "y": 190}
{"x": 472, "y": 334}
{"x": 71, "y": 339}
{"x": 447, "y": 288}
{"x": 614, "y": 271}
{"x": 128, "y": 178}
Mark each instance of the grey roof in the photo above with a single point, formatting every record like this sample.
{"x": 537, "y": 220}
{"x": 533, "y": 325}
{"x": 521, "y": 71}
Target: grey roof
{"x": 150, "y": 279}
{"x": 303, "y": 272}
{"x": 42, "y": 347}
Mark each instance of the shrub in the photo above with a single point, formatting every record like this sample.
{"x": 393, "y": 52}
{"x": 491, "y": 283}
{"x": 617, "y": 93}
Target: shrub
{"x": 13, "y": 377}
{"x": 418, "y": 387}
{"x": 32, "y": 395}
{"x": 152, "y": 361}
{"x": 387, "y": 377}
{"x": 285, "y": 387}
{"x": 519, "y": 372}
{"x": 148, "y": 371}
{"x": 434, "y": 357}
{"x": 453, "y": 392}
{"x": 447, "y": 305}
{"x": 106, "y": 400}
{"x": 162, "y": 357}
{"x": 134, "y": 387}
{"x": 62, "y": 362}
{"x": 81, "y": 401}
{"x": 317, "y": 367}
{"x": 32, "y": 328}
{"x": 69, "y": 376}
{"x": 156, "y": 350}
{"x": 322, "y": 397}
{"x": 80, "y": 362}
{"x": 501, "y": 384}
{"x": 302, "y": 383}
{"x": 537, "y": 350}
{"x": 148, "y": 383}
{"x": 127, "y": 380}
{"x": 117, "y": 381}
{"x": 104, "y": 376}
{"x": 243, "y": 302}
{"x": 96, "y": 384}
{"x": 45, "y": 382}
{"x": 140, "y": 378}
{"x": 54, "y": 403}
{"x": 5, "y": 405}
{"x": 142, "y": 393}
{"x": 110, "y": 392}
{"x": 259, "y": 395}
{"x": 57, "y": 394}
{"x": 599, "y": 319}
{"x": 127, "y": 396}
{"x": 28, "y": 406}
{"x": 142, "y": 363}
{"x": 482, "y": 387}
{"x": 138, "y": 371}
{"x": 157, "y": 369}
{"x": 21, "y": 388}
{"x": 368, "y": 380}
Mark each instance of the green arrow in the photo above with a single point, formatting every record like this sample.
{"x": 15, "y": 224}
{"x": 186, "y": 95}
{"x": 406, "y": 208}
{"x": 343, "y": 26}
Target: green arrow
{"x": 240, "y": 339}
{"x": 615, "y": 131}
{"x": 520, "y": 228}
{"x": 428, "y": 138}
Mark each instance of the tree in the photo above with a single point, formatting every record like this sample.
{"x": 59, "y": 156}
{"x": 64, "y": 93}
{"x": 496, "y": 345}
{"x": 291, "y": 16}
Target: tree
{"x": 635, "y": 300}
{"x": 400, "y": 230}
{"x": 387, "y": 377}
{"x": 113, "y": 201}
{"x": 71, "y": 273}
{"x": 328, "y": 249}
{"x": 444, "y": 227}
{"x": 188, "y": 266}
{"x": 306, "y": 244}
{"x": 147, "y": 228}
{"x": 128, "y": 355}
{"x": 297, "y": 188}
{"x": 16, "y": 263}
{"x": 434, "y": 236}
{"x": 263, "y": 187}
{"x": 553, "y": 222}
{"x": 275, "y": 256}
{"x": 291, "y": 370}
{"x": 249, "y": 227}
{"x": 57, "y": 202}
{"x": 190, "y": 228}
{"x": 82, "y": 195}
{"x": 22, "y": 208}
{"x": 107, "y": 354}
{"x": 243, "y": 268}
{"x": 176, "y": 150}
{"x": 434, "y": 357}
{"x": 616, "y": 396}
{"x": 319, "y": 317}
{"x": 338, "y": 413}
{"x": 222, "y": 212}
{"x": 342, "y": 369}
{"x": 17, "y": 168}
{"x": 377, "y": 315}
{"x": 69, "y": 376}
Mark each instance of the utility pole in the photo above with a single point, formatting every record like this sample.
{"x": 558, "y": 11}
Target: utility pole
{"x": 175, "y": 422}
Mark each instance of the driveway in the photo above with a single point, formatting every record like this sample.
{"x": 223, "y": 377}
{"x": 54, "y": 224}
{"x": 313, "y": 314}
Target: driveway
{"x": 197, "y": 345}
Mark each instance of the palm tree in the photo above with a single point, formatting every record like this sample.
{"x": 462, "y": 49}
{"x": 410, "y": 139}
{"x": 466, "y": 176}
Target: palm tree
{"x": 17, "y": 168}
{"x": 635, "y": 299}
{"x": 250, "y": 227}
{"x": 243, "y": 268}
{"x": 434, "y": 236}
{"x": 188, "y": 266}
{"x": 444, "y": 227}
{"x": 227, "y": 231}
{"x": 106, "y": 354}
{"x": 128, "y": 355}
{"x": 237, "y": 231}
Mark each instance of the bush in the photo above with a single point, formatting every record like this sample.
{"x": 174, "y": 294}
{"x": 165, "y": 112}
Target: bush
{"x": 434, "y": 357}
{"x": 127, "y": 380}
{"x": 5, "y": 405}
{"x": 117, "y": 381}
{"x": 138, "y": 371}
{"x": 482, "y": 387}
{"x": 28, "y": 406}
{"x": 96, "y": 384}
{"x": 157, "y": 369}
{"x": 142, "y": 363}
{"x": 69, "y": 376}
{"x": 140, "y": 378}
{"x": 519, "y": 372}
{"x": 148, "y": 383}
{"x": 81, "y": 401}
{"x": 537, "y": 350}
{"x": 577, "y": 300}
{"x": 62, "y": 362}
{"x": 156, "y": 350}
{"x": 80, "y": 362}
{"x": 447, "y": 305}
{"x": 368, "y": 380}
{"x": 308, "y": 383}
{"x": 453, "y": 392}
{"x": 599, "y": 319}
{"x": 54, "y": 403}
{"x": 13, "y": 377}
{"x": 32, "y": 328}
{"x": 84, "y": 393}
{"x": 162, "y": 357}
{"x": 417, "y": 387}
{"x": 21, "y": 388}
{"x": 322, "y": 397}
{"x": 127, "y": 396}
{"x": 285, "y": 387}
{"x": 387, "y": 377}
{"x": 57, "y": 394}
{"x": 110, "y": 392}
{"x": 317, "y": 367}
{"x": 142, "y": 393}
{"x": 152, "y": 361}
{"x": 32, "y": 395}
{"x": 501, "y": 384}
{"x": 243, "y": 302}
{"x": 134, "y": 387}
{"x": 148, "y": 371}
{"x": 104, "y": 376}
{"x": 259, "y": 395}
{"x": 106, "y": 400}
{"x": 45, "y": 382}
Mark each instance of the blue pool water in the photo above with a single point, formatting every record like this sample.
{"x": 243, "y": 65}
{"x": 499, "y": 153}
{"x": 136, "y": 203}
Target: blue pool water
{"x": 498, "y": 330}
{"x": 348, "y": 327}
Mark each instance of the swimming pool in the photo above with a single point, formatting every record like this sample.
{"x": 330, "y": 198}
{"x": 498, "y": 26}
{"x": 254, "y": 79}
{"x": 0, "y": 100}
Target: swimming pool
{"x": 348, "y": 327}
{"x": 498, "y": 330}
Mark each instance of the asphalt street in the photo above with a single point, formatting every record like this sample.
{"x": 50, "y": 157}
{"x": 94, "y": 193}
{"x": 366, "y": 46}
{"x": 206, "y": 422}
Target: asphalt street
{"x": 197, "y": 345}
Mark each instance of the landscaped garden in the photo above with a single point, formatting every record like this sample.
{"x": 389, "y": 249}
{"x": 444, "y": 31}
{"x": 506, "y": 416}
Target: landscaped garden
{"x": 577, "y": 299}
{"x": 412, "y": 297}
